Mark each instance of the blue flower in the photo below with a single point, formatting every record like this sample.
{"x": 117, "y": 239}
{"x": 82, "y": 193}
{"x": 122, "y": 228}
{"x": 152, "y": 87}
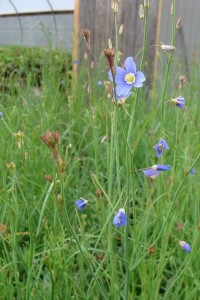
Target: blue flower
{"x": 81, "y": 204}
{"x": 185, "y": 246}
{"x": 120, "y": 218}
{"x": 160, "y": 167}
{"x": 152, "y": 174}
{"x": 127, "y": 78}
{"x": 99, "y": 83}
{"x": 192, "y": 172}
{"x": 160, "y": 147}
{"x": 179, "y": 101}
{"x": 1, "y": 114}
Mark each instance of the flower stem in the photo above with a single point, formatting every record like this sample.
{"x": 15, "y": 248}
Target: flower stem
{"x": 129, "y": 156}
{"x": 168, "y": 66}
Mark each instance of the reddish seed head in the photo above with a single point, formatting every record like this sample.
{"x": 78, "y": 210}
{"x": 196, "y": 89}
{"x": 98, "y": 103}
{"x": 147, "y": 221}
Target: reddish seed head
{"x": 86, "y": 34}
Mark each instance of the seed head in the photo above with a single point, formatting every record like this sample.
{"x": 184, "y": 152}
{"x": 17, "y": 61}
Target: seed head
{"x": 110, "y": 55}
{"x": 86, "y": 34}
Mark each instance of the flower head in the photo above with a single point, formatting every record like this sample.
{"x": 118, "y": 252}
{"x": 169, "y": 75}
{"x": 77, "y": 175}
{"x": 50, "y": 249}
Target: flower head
{"x": 81, "y": 204}
{"x": 51, "y": 139}
{"x": 160, "y": 167}
{"x": 127, "y": 78}
{"x": 120, "y": 218}
{"x": 179, "y": 101}
{"x": 160, "y": 147}
{"x": 99, "y": 83}
{"x": 150, "y": 173}
{"x": 192, "y": 171}
{"x": 185, "y": 246}
{"x": 1, "y": 114}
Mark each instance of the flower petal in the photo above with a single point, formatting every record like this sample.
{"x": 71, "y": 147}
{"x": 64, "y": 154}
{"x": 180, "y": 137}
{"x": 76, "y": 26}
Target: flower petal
{"x": 139, "y": 79}
{"x": 123, "y": 90}
{"x": 120, "y": 75}
{"x": 130, "y": 65}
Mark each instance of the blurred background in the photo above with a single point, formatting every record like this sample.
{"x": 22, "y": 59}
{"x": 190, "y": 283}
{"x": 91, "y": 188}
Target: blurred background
{"x": 54, "y": 23}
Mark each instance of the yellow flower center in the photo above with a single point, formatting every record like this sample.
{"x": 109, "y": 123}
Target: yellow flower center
{"x": 130, "y": 78}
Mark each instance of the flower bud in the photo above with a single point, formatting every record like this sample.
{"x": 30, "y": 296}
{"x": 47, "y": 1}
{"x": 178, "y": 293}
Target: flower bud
{"x": 168, "y": 48}
{"x": 141, "y": 11}
{"x": 121, "y": 29}
{"x": 179, "y": 23}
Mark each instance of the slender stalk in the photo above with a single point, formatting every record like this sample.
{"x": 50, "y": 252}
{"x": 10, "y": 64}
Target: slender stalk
{"x": 69, "y": 225}
{"x": 168, "y": 67}
{"x": 129, "y": 156}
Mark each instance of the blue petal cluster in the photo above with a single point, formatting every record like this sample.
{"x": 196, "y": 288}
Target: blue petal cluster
{"x": 160, "y": 167}
{"x": 192, "y": 171}
{"x": 160, "y": 147}
{"x": 179, "y": 101}
{"x": 120, "y": 218}
{"x": 185, "y": 246}
{"x": 81, "y": 204}
{"x": 127, "y": 78}
{"x": 151, "y": 173}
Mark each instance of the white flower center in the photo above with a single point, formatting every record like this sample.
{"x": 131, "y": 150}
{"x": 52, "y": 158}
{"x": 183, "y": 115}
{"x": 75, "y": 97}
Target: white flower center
{"x": 130, "y": 78}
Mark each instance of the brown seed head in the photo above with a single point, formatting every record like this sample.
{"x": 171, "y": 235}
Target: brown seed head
{"x": 110, "y": 55}
{"x": 86, "y": 34}
{"x": 182, "y": 80}
{"x": 51, "y": 139}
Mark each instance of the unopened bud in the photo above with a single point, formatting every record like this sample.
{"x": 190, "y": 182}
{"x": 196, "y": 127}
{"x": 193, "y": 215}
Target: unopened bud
{"x": 85, "y": 56}
{"x": 171, "y": 9}
{"x": 168, "y": 48}
{"x": 141, "y": 11}
{"x": 114, "y": 6}
{"x": 179, "y": 23}
{"x": 146, "y": 3}
{"x": 121, "y": 29}
{"x": 89, "y": 89}
{"x": 182, "y": 80}
{"x": 109, "y": 44}
{"x": 92, "y": 65}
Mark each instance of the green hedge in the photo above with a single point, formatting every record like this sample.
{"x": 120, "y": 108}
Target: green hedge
{"x": 23, "y": 63}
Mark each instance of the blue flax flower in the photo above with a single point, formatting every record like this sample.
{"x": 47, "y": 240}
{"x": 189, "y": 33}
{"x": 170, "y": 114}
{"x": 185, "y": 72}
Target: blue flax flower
{"x": 127, "y": 78}
{"x": 192, "y": 172}
{"x": 81, "y": 204}
{"x": 1, "y": 114}
{"x": 152, "y": 174}
{"x": 185, "y": 246}
{"x": 120, "y": 218}
{"x": 179, "y": 101}
{"x": 160, "y": 167}
{"x": 160, "y": 147}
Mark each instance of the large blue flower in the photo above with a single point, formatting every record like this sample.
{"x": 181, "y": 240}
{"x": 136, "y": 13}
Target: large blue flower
{"x": 120, "y": 218}
{"x": 81, "y": 204}
{"x": 185, "y": 246}
{"x": 179, "y": 101}
{"x": 160, "y": 147}
{"x": 160, "y": 168}
{"x": 150, "y": 173}
{"x": 127, "y": 78}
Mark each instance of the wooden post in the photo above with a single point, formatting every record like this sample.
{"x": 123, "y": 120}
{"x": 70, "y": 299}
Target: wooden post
{"x": 76, "y": 37}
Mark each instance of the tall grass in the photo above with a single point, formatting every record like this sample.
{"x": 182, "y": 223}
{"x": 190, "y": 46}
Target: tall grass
{"x": 49, "y": 249}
